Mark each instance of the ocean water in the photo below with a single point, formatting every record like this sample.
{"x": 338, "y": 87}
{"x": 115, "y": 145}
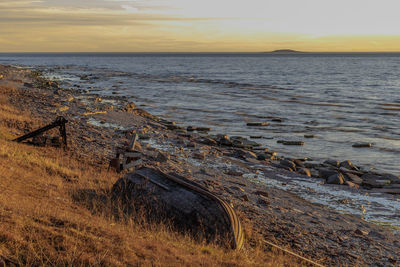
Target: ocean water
{"x": 341, "y": 99}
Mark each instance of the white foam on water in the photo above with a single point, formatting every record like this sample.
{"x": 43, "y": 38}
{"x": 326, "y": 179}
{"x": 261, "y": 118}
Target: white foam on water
{"x": 379, "y": 208}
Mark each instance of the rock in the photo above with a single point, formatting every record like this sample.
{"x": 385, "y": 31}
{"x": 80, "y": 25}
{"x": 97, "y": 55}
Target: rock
{"x": 257, "y": 124}
{"x": 331, "y": 162}
{"x": 299, "y": 163}
{"x": 293, "y": 143}
{"x": 263, "y": 201}
{"x": 191, "y": 144}
{"x": 233, "y": 173}
{"x": 199, "y": 155}
{"x": 261, "y": 157}
{"x": 311, "y": 165}
{"x": 353, "y": 178}
{"x": 256, "y": 136}
{"x": 288, "y": 163}
{"x": 335, "y": 179}
{"x": 203, "y": 129}
{"x": 394, "y": 179}
{"x": 261, "y": 193}
{"x": 277, "y": 120}
{"x": 190, "y": 128}
{"x": 386, "y": 190}
{"x": 304, "y": 171}
{"x": 359, "y": 173}
{"x": 352, "y": 185}
{"x": 265, "y": 149}
{"x": 314, "y": 173}
{"x": 326, "y": 173}
{"x": 239, "y": 141}
{"x": 224, "y": 140}
{"x": 208, "y": 141}
{"x": 236, "y": 188}
{"x": 308, "y": 136}
{"x": 348, "y": 165}
{"x": 359, "y": 145}
{"x": 360, "y": 232}
{"x": 250, "y": 154}
{"x": 161, "y": 157}
{"x": 372, "y": 180}
{"x": 244, "y": 198}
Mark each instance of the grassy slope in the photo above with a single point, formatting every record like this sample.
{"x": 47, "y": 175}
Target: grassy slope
{"x": 47, "y": 217}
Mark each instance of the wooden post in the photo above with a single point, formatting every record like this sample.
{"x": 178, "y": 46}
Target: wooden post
{"x": 132, "y": 144}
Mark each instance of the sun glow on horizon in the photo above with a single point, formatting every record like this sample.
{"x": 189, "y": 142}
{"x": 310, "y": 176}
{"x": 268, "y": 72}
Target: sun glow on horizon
{"x": 199, "y": 26}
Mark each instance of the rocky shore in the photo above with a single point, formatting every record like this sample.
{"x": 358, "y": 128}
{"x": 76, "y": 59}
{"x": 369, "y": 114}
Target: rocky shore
{"x": 228, "y": 167}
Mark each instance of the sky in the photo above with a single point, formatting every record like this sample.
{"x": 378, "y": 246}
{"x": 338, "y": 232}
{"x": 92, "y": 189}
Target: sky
{"x": 199, "y": 25}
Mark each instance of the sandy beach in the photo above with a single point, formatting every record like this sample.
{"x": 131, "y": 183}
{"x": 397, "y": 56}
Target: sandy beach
{"x": 264, "y": 189}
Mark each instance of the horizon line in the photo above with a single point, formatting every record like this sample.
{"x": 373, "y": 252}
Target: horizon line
{"x": 200, "y": 52}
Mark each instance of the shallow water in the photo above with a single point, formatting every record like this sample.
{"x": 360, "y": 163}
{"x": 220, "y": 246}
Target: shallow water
{"x": 339, "y": 98}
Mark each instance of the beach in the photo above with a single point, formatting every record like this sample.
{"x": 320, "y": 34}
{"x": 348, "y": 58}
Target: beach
{"x": 273, "y": 195}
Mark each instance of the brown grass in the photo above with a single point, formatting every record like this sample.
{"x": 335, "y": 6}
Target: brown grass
{"x": 56, "y": 210}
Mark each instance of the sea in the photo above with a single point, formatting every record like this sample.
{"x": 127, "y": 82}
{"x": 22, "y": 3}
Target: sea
{"x": 339, "y": 98}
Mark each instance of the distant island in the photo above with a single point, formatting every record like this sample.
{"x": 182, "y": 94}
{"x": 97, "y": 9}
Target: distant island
{"x": 285, "y": 51}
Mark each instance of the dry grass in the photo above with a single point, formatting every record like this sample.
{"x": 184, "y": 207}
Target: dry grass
{"x": 56, "y": 210}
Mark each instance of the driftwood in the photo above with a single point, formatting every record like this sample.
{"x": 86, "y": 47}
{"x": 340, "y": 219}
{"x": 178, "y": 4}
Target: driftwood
{"x": 127, "y": 158}
{"x": 190, "y": 207}
{"x": 59, "y": 122}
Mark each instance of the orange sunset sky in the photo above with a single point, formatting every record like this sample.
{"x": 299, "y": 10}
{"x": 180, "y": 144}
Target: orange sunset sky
{"x": 199, "y": 26}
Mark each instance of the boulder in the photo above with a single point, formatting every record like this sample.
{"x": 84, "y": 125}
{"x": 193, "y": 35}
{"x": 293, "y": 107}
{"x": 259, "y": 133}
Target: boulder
{"x": 353, "y": 178}
{"x": 326, "y": 173}
{"x": 335, "y": 179}
{"x": 348, "y": 165}
{"x": 331, "y": 162}
{"x": 372, "y": 180}
{"x": 304, "y": 171}
{"x": 352, "y": 185}
{"x": 288, "y": 163}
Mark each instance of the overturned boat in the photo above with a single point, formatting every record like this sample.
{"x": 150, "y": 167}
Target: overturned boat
{"x": 190, "y": 207}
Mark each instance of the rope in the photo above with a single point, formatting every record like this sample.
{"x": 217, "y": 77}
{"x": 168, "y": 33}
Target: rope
{"x": 293, "y": 254}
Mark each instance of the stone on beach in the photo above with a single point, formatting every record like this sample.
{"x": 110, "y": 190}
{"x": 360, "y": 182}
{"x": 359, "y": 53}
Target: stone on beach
{"x": 348, "y": 165}
{"x": 331, "y": 162}
{"x": 326, "y": 173}
{"x": 257, "y": 124}
{"x": 372, "y": 180}
{"x": 288, "y": 163}
{"x": 353, "y": 178}
{"x": 359, "y": 145}
{"x": 335, "y": 179}
{"x": 304, "y": 171}
{"x": 291, "y": 143}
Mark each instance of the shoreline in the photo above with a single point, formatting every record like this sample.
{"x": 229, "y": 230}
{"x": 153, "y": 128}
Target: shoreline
{"x": 226, "y": 170}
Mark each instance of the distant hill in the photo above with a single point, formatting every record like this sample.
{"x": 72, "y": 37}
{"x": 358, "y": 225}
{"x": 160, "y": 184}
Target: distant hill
{"x": 285, "y": 51}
